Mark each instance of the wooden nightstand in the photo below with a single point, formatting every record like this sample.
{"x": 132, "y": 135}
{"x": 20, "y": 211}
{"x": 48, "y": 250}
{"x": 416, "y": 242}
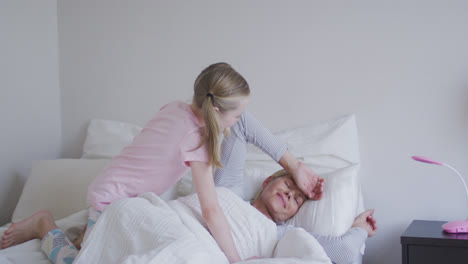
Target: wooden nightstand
{"x": 424, "y": 242}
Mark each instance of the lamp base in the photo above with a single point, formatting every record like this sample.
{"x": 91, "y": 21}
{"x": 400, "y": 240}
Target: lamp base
{"x": 456, "y": 227}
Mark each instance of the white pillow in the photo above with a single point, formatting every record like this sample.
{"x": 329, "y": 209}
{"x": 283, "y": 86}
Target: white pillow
{"x": 106, "y": 139}
{"x": 335, "y": 212}
{"x": 59, "y": 186}
{"x": 337, "y": 137}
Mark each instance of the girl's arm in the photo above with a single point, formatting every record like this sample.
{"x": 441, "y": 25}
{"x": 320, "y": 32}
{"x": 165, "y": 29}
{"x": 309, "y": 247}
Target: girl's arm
{"x": 212, "y": 213}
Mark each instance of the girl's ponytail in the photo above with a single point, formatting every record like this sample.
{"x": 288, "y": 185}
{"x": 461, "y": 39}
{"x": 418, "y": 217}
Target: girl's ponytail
{"x": 212, "y": 131}
{"x": 220, "y": 86}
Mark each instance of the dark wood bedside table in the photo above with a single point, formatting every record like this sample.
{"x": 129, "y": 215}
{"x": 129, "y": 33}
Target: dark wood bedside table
{"x": 426, "y": 242}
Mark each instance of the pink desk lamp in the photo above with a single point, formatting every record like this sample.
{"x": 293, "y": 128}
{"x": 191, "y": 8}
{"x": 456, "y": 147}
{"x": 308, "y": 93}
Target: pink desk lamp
{"x": 455, "y": 226}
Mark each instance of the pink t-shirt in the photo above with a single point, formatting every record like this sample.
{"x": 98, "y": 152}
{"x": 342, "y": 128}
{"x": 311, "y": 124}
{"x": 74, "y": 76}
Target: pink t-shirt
{"x": 157, "y": 158}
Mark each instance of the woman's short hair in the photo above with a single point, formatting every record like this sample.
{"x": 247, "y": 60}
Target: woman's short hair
{"x": 274, "y": 176}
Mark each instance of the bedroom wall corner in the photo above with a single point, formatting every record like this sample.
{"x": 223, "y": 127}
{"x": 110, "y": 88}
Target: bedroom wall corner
{"x": 30, "y": 106}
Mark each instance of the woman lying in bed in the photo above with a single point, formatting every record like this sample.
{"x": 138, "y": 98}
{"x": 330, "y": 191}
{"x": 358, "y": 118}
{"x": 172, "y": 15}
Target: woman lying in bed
{"x": 279, "y": 200}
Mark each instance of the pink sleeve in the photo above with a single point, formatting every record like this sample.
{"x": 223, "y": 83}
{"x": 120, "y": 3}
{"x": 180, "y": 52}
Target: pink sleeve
{"x": 188, "y": 151}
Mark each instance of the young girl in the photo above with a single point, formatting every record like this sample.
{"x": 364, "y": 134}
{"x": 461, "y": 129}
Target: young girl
{"x": 180, "y": 137}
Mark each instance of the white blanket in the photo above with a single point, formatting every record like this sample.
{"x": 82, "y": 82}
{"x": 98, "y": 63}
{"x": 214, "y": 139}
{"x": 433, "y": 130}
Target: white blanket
{"x": 148, "y": 230}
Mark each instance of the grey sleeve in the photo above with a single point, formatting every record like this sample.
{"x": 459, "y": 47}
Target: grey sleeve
{"x": 234, "y": 149}
{"x": 261, "y": 137}
{"x": 344, "y": 249}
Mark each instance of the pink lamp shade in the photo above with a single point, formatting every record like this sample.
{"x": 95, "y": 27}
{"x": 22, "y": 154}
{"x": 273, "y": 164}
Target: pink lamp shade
{"x": 426, "y": 160}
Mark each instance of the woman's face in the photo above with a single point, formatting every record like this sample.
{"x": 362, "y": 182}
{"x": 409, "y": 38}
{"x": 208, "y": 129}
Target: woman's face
{"x": 229, "y": 118}
{"x": 282, "y": 198}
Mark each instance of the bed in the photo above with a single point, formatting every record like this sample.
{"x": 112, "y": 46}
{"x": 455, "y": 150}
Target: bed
{"x": 329, "y": 147}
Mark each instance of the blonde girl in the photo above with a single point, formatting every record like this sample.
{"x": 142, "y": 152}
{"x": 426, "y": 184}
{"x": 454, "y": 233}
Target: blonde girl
{"x": 179, "y": 137}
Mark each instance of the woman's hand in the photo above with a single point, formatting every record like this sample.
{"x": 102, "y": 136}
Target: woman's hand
{"x": 366, "y": 221}
{"x": 306, "y": 179}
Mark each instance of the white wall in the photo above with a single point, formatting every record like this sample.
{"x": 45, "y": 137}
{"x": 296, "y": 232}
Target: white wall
{"x": 401, "y": 66}
{"x": 29, "y": 101}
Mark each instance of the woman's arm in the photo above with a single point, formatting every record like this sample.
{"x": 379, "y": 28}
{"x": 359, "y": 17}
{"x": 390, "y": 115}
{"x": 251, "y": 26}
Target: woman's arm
{"x": 212, "y": 213}
{"x": 340, "y": 249}
{"x": 345, "y": 248}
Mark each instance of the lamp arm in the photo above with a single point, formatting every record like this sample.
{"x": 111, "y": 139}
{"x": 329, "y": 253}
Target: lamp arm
{"x": 459, "y": 175}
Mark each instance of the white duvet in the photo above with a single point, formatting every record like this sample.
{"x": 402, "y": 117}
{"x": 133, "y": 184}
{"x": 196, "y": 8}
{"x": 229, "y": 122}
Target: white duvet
{"x": 147, "y": 229}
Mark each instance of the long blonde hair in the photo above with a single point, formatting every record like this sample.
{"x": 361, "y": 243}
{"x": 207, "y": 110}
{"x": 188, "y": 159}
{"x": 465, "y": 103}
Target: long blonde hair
{"x": 218, "y": 85}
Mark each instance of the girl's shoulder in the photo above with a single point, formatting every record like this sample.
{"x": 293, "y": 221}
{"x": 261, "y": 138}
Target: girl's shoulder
{"x": 175, "y": 105}
{"x": 177, "y": 109}
{"x": 176, "y": 114}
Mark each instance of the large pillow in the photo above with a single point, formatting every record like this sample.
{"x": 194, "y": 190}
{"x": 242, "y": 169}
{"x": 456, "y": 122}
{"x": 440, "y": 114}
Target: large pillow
{"x": 105, "y": 138}
{"x": 337, "y": 137}
{"x": 59, "y": 186}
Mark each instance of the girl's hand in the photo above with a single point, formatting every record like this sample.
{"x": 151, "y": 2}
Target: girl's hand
{"x": 308, "y": 181}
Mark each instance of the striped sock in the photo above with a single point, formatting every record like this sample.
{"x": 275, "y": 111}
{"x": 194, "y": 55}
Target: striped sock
{"x": 58, "y": 248}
